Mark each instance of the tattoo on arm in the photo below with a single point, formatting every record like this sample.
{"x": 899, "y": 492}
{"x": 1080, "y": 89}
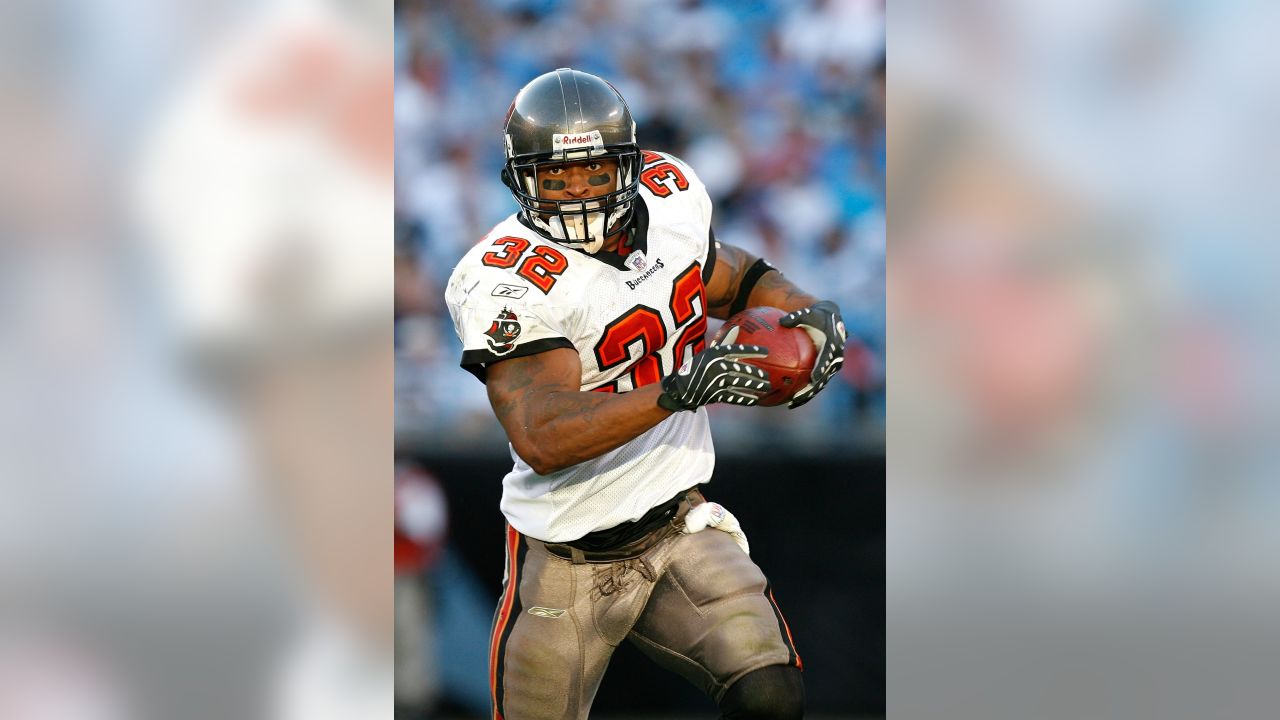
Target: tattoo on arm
{"x": 731, "y": 266}
{"x": 771, "y": 289}
{"x": 776, "y": 291}
{"x": 508, "y": 387}
{"x": 514, "y": 386}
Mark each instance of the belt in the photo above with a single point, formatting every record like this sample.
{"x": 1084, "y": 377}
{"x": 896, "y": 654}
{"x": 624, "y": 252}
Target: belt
{"x": 691, "y": 498}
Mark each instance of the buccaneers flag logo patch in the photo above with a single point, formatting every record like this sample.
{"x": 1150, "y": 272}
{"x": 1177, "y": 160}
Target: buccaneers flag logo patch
{"x": 503, "y": 332}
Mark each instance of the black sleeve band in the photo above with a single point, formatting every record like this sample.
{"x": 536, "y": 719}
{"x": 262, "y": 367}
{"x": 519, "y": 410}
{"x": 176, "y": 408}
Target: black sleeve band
{"x": 709, "y": 266}
{"x": 754, "y": 273}
{"x": 475, "y": 361}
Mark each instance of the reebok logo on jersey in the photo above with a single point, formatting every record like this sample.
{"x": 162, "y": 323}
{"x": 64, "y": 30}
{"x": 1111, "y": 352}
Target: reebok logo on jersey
{"x": 657, "y": 265}
{"x": 545, "y": 612}
{"x": 511, "y": 291}
{"x": 503, "y": 332}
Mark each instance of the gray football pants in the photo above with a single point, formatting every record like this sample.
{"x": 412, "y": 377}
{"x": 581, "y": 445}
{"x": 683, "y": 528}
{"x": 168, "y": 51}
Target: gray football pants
{"x": 695, "y": 604}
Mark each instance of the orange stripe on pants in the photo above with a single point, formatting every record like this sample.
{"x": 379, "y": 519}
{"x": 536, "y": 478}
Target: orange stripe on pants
{"x": 504, "y": 615}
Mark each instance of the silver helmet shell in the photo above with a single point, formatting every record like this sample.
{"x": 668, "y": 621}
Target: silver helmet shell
{"x": 565, "y": 116}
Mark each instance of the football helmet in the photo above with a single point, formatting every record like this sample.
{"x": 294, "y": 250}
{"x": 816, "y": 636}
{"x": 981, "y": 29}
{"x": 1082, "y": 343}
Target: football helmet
{"x": 565, "y": 116}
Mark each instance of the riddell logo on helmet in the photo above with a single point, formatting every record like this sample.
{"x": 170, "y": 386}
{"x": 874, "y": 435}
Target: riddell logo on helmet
{"x": 569, "y": 141}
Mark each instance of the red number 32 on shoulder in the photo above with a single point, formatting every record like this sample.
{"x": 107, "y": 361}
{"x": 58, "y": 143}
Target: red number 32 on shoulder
{"x": 661, "y": 177}
{"x": 541, "y": 267}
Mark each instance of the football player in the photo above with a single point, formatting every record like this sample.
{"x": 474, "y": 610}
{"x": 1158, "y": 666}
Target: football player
{"x": 584, "y": 313}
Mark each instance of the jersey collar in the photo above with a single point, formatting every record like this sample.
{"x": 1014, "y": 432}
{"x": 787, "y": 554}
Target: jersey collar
{"x": 637, "y": 239}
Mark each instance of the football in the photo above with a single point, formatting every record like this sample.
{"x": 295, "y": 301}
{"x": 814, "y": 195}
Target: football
{"x": 791, "y": 350}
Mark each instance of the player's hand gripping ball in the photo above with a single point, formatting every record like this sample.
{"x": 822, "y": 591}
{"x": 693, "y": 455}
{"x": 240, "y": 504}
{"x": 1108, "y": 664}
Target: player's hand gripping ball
{"x": 825, "y": 327}
{"x": 792, "y": 353}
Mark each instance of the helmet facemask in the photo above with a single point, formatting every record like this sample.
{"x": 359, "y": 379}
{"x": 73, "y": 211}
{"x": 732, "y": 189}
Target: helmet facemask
{"x": 579, "y": 223}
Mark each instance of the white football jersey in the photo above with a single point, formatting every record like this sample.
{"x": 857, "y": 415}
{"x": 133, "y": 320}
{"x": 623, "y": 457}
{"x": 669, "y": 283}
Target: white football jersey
{"x": 632, "y": 320}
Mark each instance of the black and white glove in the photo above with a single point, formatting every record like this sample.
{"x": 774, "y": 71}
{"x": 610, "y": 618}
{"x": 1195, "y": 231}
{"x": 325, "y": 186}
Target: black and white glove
{"x": 822, "y": 321}
{"x": 716, "y": 375}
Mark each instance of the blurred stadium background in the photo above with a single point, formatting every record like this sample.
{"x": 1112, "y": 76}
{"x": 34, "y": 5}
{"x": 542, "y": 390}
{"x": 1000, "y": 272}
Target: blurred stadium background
{"x": 779, "y": 107}
{"x": 196, "y": 451}
{"x": 1082, "y": 497}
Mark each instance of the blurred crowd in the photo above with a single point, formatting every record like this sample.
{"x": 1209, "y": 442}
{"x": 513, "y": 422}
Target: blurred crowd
{"x": 195, "y": 448}
{"x": 1081, "y": 496}
{"x": 778, "y": 106}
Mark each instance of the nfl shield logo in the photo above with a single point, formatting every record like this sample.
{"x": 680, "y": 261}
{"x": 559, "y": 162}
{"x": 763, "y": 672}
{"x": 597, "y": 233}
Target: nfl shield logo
{"x": 637, "y": 261}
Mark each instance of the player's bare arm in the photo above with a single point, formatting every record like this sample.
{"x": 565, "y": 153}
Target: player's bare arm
{"x": 741, "y": 280}
{"x": 733, "y": 272}
{"x": 551, "y": 423}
